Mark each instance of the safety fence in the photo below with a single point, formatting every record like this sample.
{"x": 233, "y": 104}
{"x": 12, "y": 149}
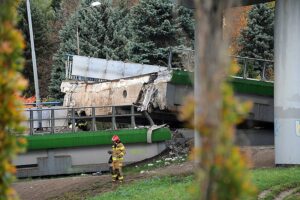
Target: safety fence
{"x": 254, "y": 68}
{"x": 72, "y": 119}
{"x": 249, "y": 68}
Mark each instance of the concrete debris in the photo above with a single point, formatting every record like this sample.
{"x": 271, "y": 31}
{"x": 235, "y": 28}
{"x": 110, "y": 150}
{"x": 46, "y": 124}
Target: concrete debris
{"x": 143, "y": 172}
{"x": 97, "y": 174}
{"x": 153, "y": 94}
{"x": 147, "y": 91}
{"x": 178, "y": 145}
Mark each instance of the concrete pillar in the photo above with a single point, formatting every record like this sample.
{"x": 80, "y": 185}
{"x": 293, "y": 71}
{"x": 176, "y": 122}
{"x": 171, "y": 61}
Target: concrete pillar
{"x": 287, "y": 82}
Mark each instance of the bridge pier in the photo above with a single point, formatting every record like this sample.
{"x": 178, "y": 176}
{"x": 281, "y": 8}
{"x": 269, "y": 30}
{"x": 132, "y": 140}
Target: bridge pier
{"x": 287, "y": 82}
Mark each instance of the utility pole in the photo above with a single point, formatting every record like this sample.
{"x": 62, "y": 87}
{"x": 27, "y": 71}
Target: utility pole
{"x": 197, "y": 92}
{"x": 35, "y": 74}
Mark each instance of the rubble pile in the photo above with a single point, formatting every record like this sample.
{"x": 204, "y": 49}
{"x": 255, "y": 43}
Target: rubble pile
{"x": 180, "y": 144}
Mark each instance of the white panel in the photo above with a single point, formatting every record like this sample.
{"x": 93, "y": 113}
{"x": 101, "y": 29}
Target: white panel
{"x": 80, "y": 66}
{"x": 115, "y": 70}
{"x": 109, "y": 70}
{"x": 150, "y": 68}
{"x": 132, "y": 69}
{"x": 97, "y": 67}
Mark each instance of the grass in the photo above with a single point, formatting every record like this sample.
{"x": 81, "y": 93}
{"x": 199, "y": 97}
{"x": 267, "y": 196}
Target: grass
{"x": 157, "y": 188}
{"x": 275, "y": 179}
{"x": 267, "y": 178}
{"x": 276, "y": 190}
{"x": 158, "y": 162}
{"x": 294, "y": 196}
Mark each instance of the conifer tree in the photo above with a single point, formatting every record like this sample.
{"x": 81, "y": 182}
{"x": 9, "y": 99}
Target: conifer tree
{"x": 92, "y": 23}
{"x": 154, "y": 29}
{"x": 187, "y": 23}
{"x": 55, "y": 4}
{"x": 117, "y": 32}
{"x": 257, "y": 38}
{"x": 109, "y": 32}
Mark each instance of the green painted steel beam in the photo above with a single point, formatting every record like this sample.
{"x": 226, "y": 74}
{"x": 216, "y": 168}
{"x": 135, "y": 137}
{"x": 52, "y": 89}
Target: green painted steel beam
{"x": 180, "y": 77}
{"x": 88, "y": 138}
{"x": 190, "y": 3}
{"x": 244, "y": 86}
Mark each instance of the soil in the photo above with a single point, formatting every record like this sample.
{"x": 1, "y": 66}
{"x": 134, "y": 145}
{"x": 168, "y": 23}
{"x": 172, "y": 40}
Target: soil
{"x": 81, "y": 187}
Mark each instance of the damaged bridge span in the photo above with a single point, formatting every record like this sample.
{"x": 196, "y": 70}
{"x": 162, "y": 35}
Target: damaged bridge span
{"x": 157, "y": 90}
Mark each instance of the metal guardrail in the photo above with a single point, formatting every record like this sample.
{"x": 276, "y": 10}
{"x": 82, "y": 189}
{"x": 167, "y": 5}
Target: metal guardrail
{"x": 255, "y": 68}
{"x": 251, "y": 68}
{"x": 53, "y": 103}
{"x": 112, "y": 112}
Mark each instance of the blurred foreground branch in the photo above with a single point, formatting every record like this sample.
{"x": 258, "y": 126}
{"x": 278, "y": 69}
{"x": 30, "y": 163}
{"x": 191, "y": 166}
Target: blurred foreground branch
{"x": 214, "y": 111}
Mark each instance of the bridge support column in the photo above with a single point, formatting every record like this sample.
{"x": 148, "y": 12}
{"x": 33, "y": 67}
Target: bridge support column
{"x": 287, "y": 82}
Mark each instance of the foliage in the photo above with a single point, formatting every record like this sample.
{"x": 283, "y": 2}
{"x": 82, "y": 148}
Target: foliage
{"x": 257, "y": 39}
{"x": 117, "y": 34}
{"x": 104, "y": 33}
{"x": 185, "y": 18}
{"x": 155, "y": 26}
{"x": 92, "y": 25}
{"x": 55, "y": 4}
{"x": 222, "y": 170}
{"x": 235, "y": 19}
{"x": 160, "y": 188}
{"x": 11, "y": 84}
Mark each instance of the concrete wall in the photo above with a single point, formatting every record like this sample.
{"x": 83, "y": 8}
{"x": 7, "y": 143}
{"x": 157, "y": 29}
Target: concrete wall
{"x": 79, "y": 160}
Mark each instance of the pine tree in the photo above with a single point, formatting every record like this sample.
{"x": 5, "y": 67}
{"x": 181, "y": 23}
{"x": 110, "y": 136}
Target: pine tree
{"x": 105, "y": 32}
{"x": 117, "y": 32}
{"x": 154, "y": 29}
{"x": 92, "y": 23}
{"x": 187, "y": 23}
{"x": 257, "y": 39}
{"x": 55, "y": 4}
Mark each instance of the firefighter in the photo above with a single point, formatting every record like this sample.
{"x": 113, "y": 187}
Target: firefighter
{"x": 82, "y": 124}
{"x": 117, "y": 154}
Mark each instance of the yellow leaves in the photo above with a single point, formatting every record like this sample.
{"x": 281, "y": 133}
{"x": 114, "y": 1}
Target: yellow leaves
{"x": 11, "y": 84}
{"x": 8, "y": 167}
{"x": 219, "y": 158}
{"x": 187, "y": 111}
{"x": 234, "y": 67}
{"x": 21, "y": 83}
{"x": 194, "y": 152}
{"x": 11, "y": 194}
{"x": 5, "y": 48}
{"x": 22, "y": 140}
